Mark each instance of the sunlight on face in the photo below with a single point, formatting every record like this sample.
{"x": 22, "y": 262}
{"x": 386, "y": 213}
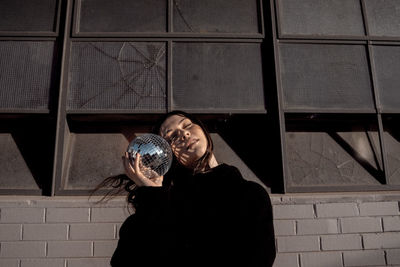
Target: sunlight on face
{"x": 187, "y": 139}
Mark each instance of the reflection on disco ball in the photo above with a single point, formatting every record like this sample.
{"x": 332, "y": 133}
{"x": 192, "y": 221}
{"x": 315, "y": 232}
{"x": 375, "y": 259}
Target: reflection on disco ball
{"x": 155, "y": 152}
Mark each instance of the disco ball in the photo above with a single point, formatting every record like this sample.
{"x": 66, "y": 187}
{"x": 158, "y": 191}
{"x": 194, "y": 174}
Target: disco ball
{"x": 155, "y": 152}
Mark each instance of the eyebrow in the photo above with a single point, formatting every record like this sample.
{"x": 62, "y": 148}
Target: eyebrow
{"x": 167, "y": 131}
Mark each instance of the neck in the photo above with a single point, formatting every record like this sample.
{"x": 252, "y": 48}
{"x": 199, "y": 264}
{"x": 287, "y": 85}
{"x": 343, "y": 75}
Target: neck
{"x": 213, "y": 161}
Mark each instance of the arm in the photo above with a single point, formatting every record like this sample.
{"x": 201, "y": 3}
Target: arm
{"x": 139, "y": 235}
{"x": 138, "y": 243}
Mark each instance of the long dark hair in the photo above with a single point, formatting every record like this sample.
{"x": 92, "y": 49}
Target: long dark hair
{"x": 202, "y": 163}
{"x": 121, "y": 182}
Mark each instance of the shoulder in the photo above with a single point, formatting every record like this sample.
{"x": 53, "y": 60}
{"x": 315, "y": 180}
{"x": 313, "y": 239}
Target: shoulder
{"x": 128, "y": 225}
{"x": 228, "y": 170}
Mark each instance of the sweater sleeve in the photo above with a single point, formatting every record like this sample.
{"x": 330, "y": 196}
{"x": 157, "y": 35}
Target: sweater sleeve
{"x": 139, "y": 231}
{"x": 261, "y": 234}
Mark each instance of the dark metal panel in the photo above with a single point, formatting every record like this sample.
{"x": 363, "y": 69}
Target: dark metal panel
{"x": 117, "y": 75}
{"x": 383, "y": 17}
{"x": 27, "y": 38}
{"x": 94, "y": 157}
{"x": 329, "y": 154}
{"x": 387, "y": 67}
{"x": 170, "y": 19}
{"x": 217, "y": 76}
{"x": 165, "y": 38}
{"x": 14, "y": 172}
{"x": 224, "y": 111}
{"x": 169, "y": 35}
{"x": 322, "y": 18}
{"x": 20, "y": 192}
{"x": 26, "y": 78}
{"x": 325, "y": 77}
{"x": 391, "y": 138}
{"x": 24, "y": 16}
{"x": 216, "y": 16}
{"x": 112, "y": 111}
{"x": 333, "y": 38}
{"x": 26, "y": 159}
{"x": 329, "y": 110}
{"x": 121, "y": 16}
{"x": 323, "y": 40}
{"x": 169, "y": 75}
{"x": 94, "y": 145}
{"x": 25, "y": 111}
{"x": 279, "y": 98}
{"x": 61, "y": 125}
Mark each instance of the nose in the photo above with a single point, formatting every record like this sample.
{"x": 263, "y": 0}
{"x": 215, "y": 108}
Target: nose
{"x": 185, "y": 134}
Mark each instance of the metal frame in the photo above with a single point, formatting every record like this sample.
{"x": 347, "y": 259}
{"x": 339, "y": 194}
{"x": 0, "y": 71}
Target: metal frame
{"x": 27, "y": 39}
{"x": 169, "y": 33}
{"x": 71, "y": 35}
{"x": 67, "y": 32}
{"x": 366, "y": 40}
{"x": 53, "y": 33}
{"x": 20, "y": 113}
{"x": 367, "y": 36}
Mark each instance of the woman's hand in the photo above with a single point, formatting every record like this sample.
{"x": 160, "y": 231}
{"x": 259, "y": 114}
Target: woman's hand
{"x": 136, "y": 175}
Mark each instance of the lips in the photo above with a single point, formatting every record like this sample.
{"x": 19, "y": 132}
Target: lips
{"x": 192, "y": 143}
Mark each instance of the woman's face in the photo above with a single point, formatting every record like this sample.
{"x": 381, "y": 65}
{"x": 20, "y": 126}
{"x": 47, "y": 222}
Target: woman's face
{"x": 187, "y": 139}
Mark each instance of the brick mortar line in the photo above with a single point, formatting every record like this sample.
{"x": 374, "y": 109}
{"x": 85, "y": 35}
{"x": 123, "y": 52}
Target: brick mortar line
{"x": 342, "y": 258}
{"x": 45, "y": 215}
{"x": 298, "y": 260}
{"x": 68, "y": 231}
{"x": 315, "y": 210}
{"x": 92, "y": 249}
{"x": 320, "y": 243}
{"x": 385, "y": 257}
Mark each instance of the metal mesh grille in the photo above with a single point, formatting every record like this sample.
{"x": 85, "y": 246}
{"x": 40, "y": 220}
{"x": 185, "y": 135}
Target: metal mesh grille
{"x": 28, "y": 15}
{"x": 383, "y": 17}
{"x": 215, "y": 16}
{"x": 212, "y": 76}
{"x": 14, "y": 172}
{"x": 123, "y": 16}
{"x": 325, "y": 77}
{"x": 117, "y": 76}
{"x": 89, "y": 153}
{"x": 387, "y": 66}
{"x": 316, "y": 17}
{"x": 25, "y": 78}
{"x": 323, "y": 159}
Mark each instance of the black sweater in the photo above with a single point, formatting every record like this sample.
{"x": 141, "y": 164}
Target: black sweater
{"x": 211, "y": 219}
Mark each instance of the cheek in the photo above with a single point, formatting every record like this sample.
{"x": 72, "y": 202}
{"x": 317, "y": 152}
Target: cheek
{"x": 202, "y": 148}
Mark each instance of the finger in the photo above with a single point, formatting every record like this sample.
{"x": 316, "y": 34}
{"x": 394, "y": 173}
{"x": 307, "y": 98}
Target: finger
{"x": 127, "y": 163}
{"x": 128, "y": 168}
{"x": 136, "y": 164}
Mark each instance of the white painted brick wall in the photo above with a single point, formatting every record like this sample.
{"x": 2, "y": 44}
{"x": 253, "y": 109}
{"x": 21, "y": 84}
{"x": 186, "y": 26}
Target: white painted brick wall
{"x": 364, "y": 258}
{"x": 319, "y": 259}
{"x": 361, "y": 224}
{"x": 312, "y": 230}
{"x": 393, "y": 256}
{"x": 341, "y": 242}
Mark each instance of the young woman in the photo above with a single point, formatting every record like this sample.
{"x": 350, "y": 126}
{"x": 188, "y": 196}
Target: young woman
{"x": 200, "y": 213}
